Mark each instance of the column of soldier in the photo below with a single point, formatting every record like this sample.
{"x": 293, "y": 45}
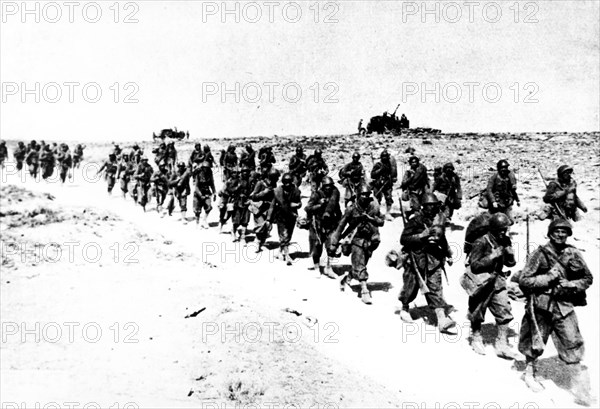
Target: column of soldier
{"x": 553, "y": 280}
{"x": 42, "y": 159}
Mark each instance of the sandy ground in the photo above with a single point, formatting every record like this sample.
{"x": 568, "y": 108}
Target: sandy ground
{"x": 114, "y": 331}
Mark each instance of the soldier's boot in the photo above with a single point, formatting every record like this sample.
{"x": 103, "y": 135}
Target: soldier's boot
{"x": 530, "y": 379}
{"x": 204, "y": 221}
{"x": 286, "y": 256}
{"x": 328, "y": 271}
{"x": 221, "y": 224}
{"x": 365, "y": 294}
{"x": 183, "y": 217}
{"x": 388, "y": 213}
{"x": 580, "y": 385}
{"x": 405, "y": 314}
{"x": 243, "y": 234}
{"x": 315, "y": 266}
{"x": 344, "y": 284}
{"x": 198, "y": 225}
{"x": 477, "y": 342}
{"x": 443, "y": 321}
{"x": 234, "y": 235}
{"x": 503, "y": 349}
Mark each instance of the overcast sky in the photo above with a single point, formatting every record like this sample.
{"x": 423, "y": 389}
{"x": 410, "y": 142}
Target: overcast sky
{"x": 186, "y": 63}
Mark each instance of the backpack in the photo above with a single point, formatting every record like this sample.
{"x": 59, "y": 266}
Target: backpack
{"x": 477, "y": 227}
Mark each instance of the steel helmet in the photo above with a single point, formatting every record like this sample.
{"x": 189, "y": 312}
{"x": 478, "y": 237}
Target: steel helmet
{"x": 355, "y": 155}
{"x": 502, "y": 164}
{"x": 181, "y": 165}
{"x": 286, "y": 178}
{"x": 499, "y": 221}
{"x": 327, "y": 181}
{"x": 385, "y": 154}
{"x": 562, "y": 169}
{"x": 205, "y": 164}
{"x": 560, "y": 224}
{"x": 364, "y": 190}
{"x": 448, "y": 165}
{"x": 274, "y": 175}
{"x": 430, "y": 198}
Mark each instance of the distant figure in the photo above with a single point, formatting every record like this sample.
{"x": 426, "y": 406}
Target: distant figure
{"x": 501, "y": 190}
{"x": 3, "y": 153}
{"x": 361, "y": 129}
{"x": 561, "y": 197}
{"x": 404, "y": 124}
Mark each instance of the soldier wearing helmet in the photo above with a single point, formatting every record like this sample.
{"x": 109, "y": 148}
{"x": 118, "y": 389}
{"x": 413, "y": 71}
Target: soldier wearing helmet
{"x": 446, "y": 186}
{"x": 424, "y": 237}
{"x": 501, "y": 191}
{"x": 317, "y": 168}
{"x": 160, "y": 185}
{"x": 248, "y": 158}
{"x": 262, "y": 197}
{"x": 227, "y": 197}
{"x": 171, "y": 156}
{"x": 561, "y": 196}
{"x": 125, "y": 171}
{"x": 383, "y": 176}
{"x": 415, "y": 183}
{"x": 47, "y": 161}
{"x": 490, "y": 253}
{"x": 142, "y": 176}
{"x": 19, "y": 154}
{"x": 352, "y": 175}
{"x": 197, "y": 155}
{"x": 323, "y": 210}
{"x": 241, "y": 214}
{"x": 361, "y": 221}
{"x": 286, "y": 203}
{"x": 33, "y": 159}
{"x": 555, "y": 277}
{"x": 160, "y": 153}
{"x": 229, "y": 162}
{"x": 110, "y": 168}
{"x": 204, "y": 192}
{"x": 65, "y": 161}
{"x": 297, "y": 166}
{"x": 179, "y": 188}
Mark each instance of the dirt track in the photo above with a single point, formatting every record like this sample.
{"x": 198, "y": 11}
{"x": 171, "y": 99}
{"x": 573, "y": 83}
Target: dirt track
{"x": 377, "y": 361}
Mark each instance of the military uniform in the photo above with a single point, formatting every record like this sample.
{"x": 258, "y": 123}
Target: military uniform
{"x": 77, "y": 155}
{"x": 323, "y": 210}
{"x": 363, "y": 220}
{"x": 160, "y": 182}
{"x": 317, "y": 168}
{"x": 262, "y": 197}
{"x": 352, "y": 176}
{"x": 448, "y": 184}
{"x": 66, "y": 162}
{"x": 562, "y": 193}
{"x": 143, "y": 175}
{"x": 297, "y": 167}
{"x": 501, "y": 191}
{"x": 284, "y": 213}
{"x": 33, "y": 161}
{"x": 125, "y": 172}
{"x": 110, "y": 168}
{"x": 204, "y": 191}
{"x": 383, "y": 175}
{"x": 3, "y": 153}
{"x": 179, "y": 188}
{"x": 415, "y": 183}
{"x": 430, "y": 258}
{"x": 19, "y": 154}
{"x": 47, "y": 161}
{"x": 241, "y": 214}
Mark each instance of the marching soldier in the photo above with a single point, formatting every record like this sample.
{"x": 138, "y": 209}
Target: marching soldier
{"x": 561, "y": 193}
{"x": 33, "y": 159}
{"x": 47, "y": 161}
{"x": 490, "y": 253}
{"x": 248, "y": 158}
{"x": 125, "y": 172}
{"x": 197, "y": 155}
{"x": 297, "y": 167}
{"x": 136, "y": 154}
{"x": 241, "y": 214}
{"x": 556, "y": 277}
{"x": 266, "y": 156}
{"x": 171, "y": 156}
{"x": 230, "y": 162}
{"x": 78, "y": 155}
{"x": 179, "y": 188}
{"x": 227, "y": 195}
{"x": 284, "y": 212}
{"x": 352, "y": 175}
{"x": 65, "y": 161}
{"x": 323, "y": 210}
{"x": 501, "y": 190}
{"x": 446, "y": 186}
{"x": 160, "y": 153}
{"x": 204, "y": 190}
{"x": 19, "y": 154}
{"x": 415, "y": 183}
{"x": 383, "y": 176}
{"x": 110, "y": 168}
{"x": 160, "y": 183}
{"x": 317, "y": 168}
{"x": 143, "y": 176}
{"x": 262, "y": 198}
{"x": 208, "y": 156}
{"x": 362, "y": 219}
{"x": 424, "y": 241}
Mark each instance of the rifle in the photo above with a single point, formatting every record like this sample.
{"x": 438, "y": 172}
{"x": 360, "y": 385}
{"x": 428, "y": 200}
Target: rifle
{"x": 420, "y": 280}
{"x": 537, "y": 343}
{"x": 477, "y": 194}
{"x": 558, "y": 209}
{"x": 396, "y": 110}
